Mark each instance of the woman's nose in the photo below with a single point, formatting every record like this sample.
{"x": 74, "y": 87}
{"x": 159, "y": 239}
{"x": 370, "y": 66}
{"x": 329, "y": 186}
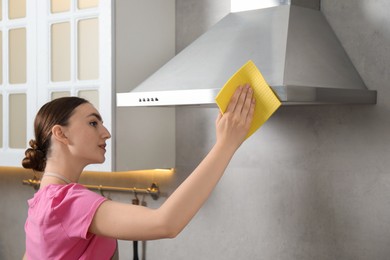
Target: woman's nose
{"x": 106, "y": 133}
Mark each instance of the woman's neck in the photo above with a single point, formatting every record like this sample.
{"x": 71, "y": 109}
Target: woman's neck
{"x": 67, "y": 171}
{"x": 57, "y": 176}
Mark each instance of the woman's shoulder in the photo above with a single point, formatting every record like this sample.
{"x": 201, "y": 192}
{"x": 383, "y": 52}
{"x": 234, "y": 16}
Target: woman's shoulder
{"x": 57, "y": 190}
{"x": 65, "y": 195}
{"x": 75, "y": 192}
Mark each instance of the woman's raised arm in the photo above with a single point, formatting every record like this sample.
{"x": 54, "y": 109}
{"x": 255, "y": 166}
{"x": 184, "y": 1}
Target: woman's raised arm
{"x": 130, "y": 222}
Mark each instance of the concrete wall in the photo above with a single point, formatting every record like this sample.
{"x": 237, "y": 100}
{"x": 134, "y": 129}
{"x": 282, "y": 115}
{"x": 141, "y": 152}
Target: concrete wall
{"x": 313, "y": 183}
{"x": 193, "y": 18}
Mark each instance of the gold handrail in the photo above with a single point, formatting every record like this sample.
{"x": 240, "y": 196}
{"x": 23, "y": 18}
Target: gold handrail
{"x": 153, "y": 190}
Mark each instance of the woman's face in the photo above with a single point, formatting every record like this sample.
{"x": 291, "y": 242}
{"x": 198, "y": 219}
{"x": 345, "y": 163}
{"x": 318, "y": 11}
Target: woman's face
{"x": 87, "y": 135}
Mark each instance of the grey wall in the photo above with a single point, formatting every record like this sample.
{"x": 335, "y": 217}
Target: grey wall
{"x": 313, "y": 183}
{"x": 194, "y": 17}
{"x": 13, "y": 212}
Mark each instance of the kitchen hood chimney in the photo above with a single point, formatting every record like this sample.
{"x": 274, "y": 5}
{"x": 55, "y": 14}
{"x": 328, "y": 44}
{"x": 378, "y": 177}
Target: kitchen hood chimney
{"x": 293, "y": 46}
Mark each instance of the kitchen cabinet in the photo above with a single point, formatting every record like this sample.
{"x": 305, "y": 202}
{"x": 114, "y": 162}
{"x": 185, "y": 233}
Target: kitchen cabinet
{"x": 50, "y": 49}
{"x": 90, "y": 49}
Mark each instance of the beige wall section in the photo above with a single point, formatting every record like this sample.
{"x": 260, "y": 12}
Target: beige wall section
{"x": 17, "y": 9}
{"x": 60, "y": 52}
{"x": 88, "y": 49}
{"x": 17, "y": 126}
{"x": 17, "y": 56}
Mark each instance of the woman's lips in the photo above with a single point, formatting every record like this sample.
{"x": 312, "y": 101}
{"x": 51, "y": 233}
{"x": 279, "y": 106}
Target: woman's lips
{"x": 103, "y": 146}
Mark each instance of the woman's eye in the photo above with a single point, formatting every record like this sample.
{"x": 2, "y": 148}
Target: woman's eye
{"x": 93, "y": 123}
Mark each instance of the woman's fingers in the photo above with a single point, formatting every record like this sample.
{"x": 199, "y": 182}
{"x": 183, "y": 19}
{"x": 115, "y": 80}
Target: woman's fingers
{"x": 246, "y": 100}
{"x": 251, "y": 110}
{"x": 242, "y": 105}
{"x": 234, "y": 124}
{"x": 246, "y": 107}
{"x": 241, "y": 101}
{"x": 234, "y": 100}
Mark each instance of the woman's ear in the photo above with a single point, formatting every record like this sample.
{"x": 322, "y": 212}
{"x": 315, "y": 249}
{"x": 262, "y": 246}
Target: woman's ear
{"x": 58, "y": 134}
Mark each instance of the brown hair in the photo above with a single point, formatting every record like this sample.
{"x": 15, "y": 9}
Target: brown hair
{"x": 55, "y": 112}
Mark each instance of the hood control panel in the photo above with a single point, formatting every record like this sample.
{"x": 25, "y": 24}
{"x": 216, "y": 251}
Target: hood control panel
{"x": 147, "y": 99}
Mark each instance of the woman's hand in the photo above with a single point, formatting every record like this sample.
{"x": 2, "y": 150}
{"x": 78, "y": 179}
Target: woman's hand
{"x": 233, "y": 126}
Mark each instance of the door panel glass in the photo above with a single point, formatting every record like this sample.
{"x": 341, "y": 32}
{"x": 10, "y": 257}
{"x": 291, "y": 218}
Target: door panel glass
{"x": 59, "y": 6}
{"x": 91, "y": 95}
{"x": 17, "y": 9}
{"x": 83, "y": 4}
{"x": 1, "y": 57}
{"x": 17, "y": 122}
{"x": 59, "y": 94}
{"x": 88, "y": 49}
{"x": 60, "y": 52}
{"x": 17, "y": 56}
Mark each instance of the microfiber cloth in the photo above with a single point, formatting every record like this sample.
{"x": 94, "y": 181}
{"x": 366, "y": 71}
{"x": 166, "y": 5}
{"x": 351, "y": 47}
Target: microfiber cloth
{"x": 267, "y": 101}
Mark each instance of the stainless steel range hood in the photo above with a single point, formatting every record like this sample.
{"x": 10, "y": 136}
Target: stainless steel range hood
{"x": 294, "y": 47}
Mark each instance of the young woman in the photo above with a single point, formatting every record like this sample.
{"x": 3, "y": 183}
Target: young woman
{"x": 67, "y": 221}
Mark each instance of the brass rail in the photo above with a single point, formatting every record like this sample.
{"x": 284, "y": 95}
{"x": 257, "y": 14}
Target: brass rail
{"x": 153, "y": 190}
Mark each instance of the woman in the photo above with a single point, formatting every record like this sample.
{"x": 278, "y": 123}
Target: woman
{"x": 67, "y": 221}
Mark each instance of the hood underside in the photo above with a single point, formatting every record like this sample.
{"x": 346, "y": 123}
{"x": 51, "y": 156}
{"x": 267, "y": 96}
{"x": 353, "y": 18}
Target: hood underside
{"x": 294, "y": 47}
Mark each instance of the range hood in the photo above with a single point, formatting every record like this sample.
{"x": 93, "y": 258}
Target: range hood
{"x": 294, "y": 47}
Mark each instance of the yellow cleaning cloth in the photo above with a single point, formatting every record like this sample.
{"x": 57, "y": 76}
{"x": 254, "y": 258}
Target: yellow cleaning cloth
{"x": 266, "y": 100}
